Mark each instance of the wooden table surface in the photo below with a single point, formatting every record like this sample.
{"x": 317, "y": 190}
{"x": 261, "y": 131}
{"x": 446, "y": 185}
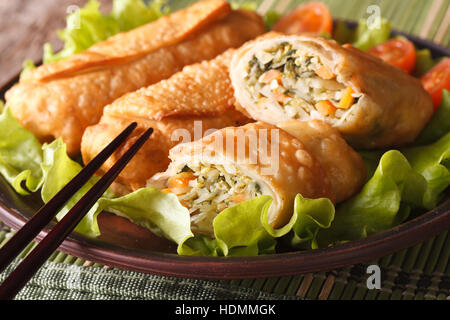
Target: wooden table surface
{"x": 25, "y": 25}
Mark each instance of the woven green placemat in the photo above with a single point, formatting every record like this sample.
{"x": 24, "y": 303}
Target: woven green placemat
{"x": 420, "y": 272}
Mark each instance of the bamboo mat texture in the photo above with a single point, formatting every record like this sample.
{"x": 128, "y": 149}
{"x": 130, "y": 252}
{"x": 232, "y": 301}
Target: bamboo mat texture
{"x": 421, "y": 272}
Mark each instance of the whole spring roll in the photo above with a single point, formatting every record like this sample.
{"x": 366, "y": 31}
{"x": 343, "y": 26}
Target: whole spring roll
{"x": 238, "y": 164}
{"x": 373, "y": 104}
{"x": 184, "y": 107}
{"x": 61, "y": 99}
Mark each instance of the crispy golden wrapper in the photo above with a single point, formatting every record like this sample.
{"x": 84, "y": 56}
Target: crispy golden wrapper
{"x": 180, "y": 109}
{"x": 61, "y": 99}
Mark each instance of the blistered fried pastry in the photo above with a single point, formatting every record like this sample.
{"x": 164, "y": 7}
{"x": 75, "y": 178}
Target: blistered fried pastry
{"x": 188, "y": 105}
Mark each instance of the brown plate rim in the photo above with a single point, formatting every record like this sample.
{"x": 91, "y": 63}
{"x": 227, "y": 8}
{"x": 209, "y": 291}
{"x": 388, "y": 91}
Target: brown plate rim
{"x": 403, "y": 236}
{"x": 373, "y": 247}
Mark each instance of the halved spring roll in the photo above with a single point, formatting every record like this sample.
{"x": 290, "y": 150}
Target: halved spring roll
{"x": 373, "y": 104}
{"x": 182, "y": 108}
{"x": 238, "y": 164}
{"x": 61, "y": 99}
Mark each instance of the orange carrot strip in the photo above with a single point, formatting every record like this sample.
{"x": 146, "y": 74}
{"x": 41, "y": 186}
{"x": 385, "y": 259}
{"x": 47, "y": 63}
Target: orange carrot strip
{"x": 325, "y": 108}
{"x": 181, "y": 180}
{"x": 325, "y": 73}
{"x": 270, "y": 75}
{"x": 280, "y": 96}
{"x": 347, "y": 100}
{"x": 238, "y": 198}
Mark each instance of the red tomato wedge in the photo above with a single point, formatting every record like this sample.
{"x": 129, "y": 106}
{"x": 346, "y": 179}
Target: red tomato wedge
{"x": 311, "y": 17}
{"x": 436, "y": 80}
{"x": 397, "y": 52}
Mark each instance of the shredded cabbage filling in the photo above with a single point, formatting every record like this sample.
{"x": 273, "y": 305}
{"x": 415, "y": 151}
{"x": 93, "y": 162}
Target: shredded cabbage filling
{"x": 206, "y": 190}
{"x": 298, "y": 82}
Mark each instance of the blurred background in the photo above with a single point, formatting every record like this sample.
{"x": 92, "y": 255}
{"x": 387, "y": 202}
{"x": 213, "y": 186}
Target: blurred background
{"x": 25, "y": 25}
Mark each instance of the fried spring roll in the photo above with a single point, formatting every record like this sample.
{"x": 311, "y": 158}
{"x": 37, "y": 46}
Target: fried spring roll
{"x": 182, "y": 108}
{"x": 373, "y": 104}
{"x": 238, "y": 164}
{"x": 61, "y": 99}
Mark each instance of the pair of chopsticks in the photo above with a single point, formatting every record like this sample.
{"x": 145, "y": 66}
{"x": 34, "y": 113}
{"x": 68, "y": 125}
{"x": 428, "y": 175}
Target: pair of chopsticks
{"x": 28, "y": 267}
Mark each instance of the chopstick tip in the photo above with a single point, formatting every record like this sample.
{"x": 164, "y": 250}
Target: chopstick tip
{"x": 148, "y": 132}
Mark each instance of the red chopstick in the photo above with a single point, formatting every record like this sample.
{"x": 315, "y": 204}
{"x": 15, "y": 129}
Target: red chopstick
{"x": 20, "y": 276}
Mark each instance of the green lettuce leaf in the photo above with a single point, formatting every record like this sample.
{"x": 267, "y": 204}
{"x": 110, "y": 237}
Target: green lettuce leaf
{"x": 28, "y": 166}
{"x": 244, "y": 230}
{"x": 130, "y": 14}
{"x": 239, "y": 229}
{"x": 384, "y": 201}
{"x": 27, "y": 66}
{"x": 20, "y": 155}
{"x": 310, "y": 217}
{"x": 362, "y": 37}
{"x": 244, "y": 4}
{"x": 84, "y": 27}
{"x": 58, "y": 169}
{"x": 199, "y": 245}
{"x": 161, "y": 213}
{"x": 342, "y": 33}
{"x": 433, "y": 163}
{"x": 270, "y": 18}
{"x": 366, "y": 38}
{"x": 439, "y": 124}
{"x": 89, "y": 25}
{"x": 424, "y": 62}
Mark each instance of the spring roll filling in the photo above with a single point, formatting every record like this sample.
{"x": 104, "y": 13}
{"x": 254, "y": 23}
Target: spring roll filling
{"x": 299, "y": 83}
{"x": 208, "y": 189}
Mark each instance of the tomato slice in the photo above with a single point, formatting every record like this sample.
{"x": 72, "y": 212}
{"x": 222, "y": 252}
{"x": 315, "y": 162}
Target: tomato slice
{"x": 397, "y": 52}
{"x": 311, "y": 17}
{"x": 436, "y": 80}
